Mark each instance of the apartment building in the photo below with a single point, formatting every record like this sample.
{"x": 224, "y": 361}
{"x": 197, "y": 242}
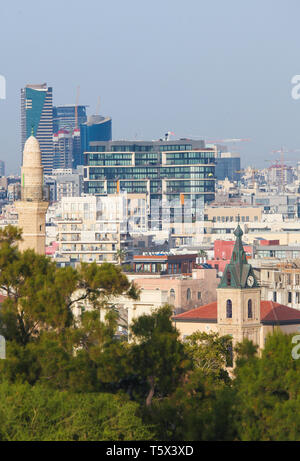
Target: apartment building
{"x": 97, "y": 228}
{"x": 234, "y": 213}
{"x": 280, "y": 281}
{"x": 177, "y": 172}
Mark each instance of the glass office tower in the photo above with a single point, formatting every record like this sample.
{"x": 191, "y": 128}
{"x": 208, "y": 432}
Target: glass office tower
{"x": 167, "y": 171}
{"x": 37, "y": 119}
{"x": 228, "y": 165}
{"x": 97, "y": 128}
{"x": 64, "y": 117}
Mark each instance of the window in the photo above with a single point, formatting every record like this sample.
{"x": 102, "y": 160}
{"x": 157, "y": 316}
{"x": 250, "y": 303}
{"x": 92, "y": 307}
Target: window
{"x": 172, "y": 293}
{"x": 290, "y": 297}
{"x": 188, "y": 294}
{"x": 250, "y": 313}
{"x": 228, "y": 278}
{"x": 199, "y": 295}
{"x": 274, "y": 296}
{"x": 229, "y": 309}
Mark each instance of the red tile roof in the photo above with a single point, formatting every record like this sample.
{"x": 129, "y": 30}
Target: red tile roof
{"x": 209, "y": 311}
{"x": 270, "y": 312}
{"x": 275, "y": 312}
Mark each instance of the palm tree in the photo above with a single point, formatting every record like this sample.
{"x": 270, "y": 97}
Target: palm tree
{"x": 121, "y": 255}
{"x": 202, "y": 254}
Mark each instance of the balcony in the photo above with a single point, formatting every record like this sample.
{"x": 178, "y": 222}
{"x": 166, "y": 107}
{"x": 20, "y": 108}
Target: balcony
{"x": 34, "y": 194}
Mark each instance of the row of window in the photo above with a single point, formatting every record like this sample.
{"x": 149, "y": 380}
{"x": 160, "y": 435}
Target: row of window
{"x": 160, "y": 170}
{"x": 194, "y": 155}
{"x": 290, "y": 297}
{"x": 229, "y": 309}
{"x": 232, "y": 218}
{"x": 139, "y": 148}
{"x": 153, "y": 176}
{"x": 188, "y": 294}
{"x": 289, "y": 279}
{"x": 280, "y": 254}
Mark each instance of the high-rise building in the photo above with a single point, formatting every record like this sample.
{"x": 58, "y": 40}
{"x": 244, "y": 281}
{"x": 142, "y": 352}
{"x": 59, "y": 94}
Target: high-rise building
{"x": 37, "y": 119}
{"x": 33, "y": 204}
{"x": 228, "y": 165}
{"x": 179, "y": 173}
{"x": 97, "y": 128}
{"x": 63, "y": 146}
{"x": 64, "y": 117}
{"x": 76, "y": 149}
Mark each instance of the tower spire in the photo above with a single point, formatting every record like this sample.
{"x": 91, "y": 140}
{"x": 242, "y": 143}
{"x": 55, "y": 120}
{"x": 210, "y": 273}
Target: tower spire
{"x": 238, "y": 273}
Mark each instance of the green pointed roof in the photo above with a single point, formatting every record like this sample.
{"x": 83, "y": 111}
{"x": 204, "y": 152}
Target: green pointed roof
{"x": 237, "y": 272}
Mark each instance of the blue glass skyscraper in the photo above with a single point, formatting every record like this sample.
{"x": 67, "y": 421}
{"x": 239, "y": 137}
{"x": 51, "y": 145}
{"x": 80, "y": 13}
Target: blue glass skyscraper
{"x": 64, "y": 117}
{"x": 37, "y": 119}
{"x": 97, "y": 128}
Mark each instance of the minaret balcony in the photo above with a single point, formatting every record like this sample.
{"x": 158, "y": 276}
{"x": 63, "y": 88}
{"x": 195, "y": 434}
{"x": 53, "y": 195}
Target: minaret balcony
{"x": 35, "y": 194}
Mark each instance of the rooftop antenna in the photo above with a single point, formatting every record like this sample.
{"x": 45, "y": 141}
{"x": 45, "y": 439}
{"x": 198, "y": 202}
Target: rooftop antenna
{"x": 168, "y": 134}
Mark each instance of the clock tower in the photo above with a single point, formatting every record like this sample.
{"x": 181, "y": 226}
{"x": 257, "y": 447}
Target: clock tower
{"x": 238, "y": 297}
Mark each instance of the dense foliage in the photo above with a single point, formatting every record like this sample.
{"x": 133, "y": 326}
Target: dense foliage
{"x": 72, "y": 378}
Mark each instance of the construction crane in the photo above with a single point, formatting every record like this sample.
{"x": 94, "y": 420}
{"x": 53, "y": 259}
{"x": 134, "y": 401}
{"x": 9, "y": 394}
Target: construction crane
{"x": 283, "y": 151}
{"x": 253, "y": 171}
{"x": 230, "y": 140}
{"x": 226, "y": 140}
{"x": 76, "y": 107}
{"x": 278, "y": 163}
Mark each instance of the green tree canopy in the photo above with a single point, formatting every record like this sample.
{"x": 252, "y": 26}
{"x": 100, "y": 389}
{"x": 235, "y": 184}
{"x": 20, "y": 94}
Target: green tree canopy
{"x": 267, "y": 391}
{"x": 209, "y": 353}
{"x": 40, "y": 296}
{"x": 39, "y": 414}
{"x": 158, "y": 355}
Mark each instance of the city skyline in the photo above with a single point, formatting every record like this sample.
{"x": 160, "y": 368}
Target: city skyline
{"x": 208, "y": 71}
{"x": 150, "y": 227}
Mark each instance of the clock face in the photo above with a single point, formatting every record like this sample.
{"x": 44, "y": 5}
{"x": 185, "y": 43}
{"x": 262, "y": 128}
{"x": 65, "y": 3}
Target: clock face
{"x": 250, "y": 281}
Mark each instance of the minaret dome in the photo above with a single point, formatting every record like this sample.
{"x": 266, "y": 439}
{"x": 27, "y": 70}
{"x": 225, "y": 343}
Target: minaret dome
{"x": 32, "y": 171}
{"x": 32, "y": 153}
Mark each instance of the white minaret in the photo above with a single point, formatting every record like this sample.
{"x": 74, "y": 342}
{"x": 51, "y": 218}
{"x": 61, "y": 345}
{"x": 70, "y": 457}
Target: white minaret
{"x": 32, "y": 207}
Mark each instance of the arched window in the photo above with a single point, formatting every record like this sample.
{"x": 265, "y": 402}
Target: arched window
{"x": 172, "y": 293}
{"x": 229, "y": 309}
{"x": 228, "y": 278}
{"x": 188, "y": 294}
{"x": 250, "y": 313}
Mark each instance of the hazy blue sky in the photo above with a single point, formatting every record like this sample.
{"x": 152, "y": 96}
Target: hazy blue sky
{"x": 209, "y": 68}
